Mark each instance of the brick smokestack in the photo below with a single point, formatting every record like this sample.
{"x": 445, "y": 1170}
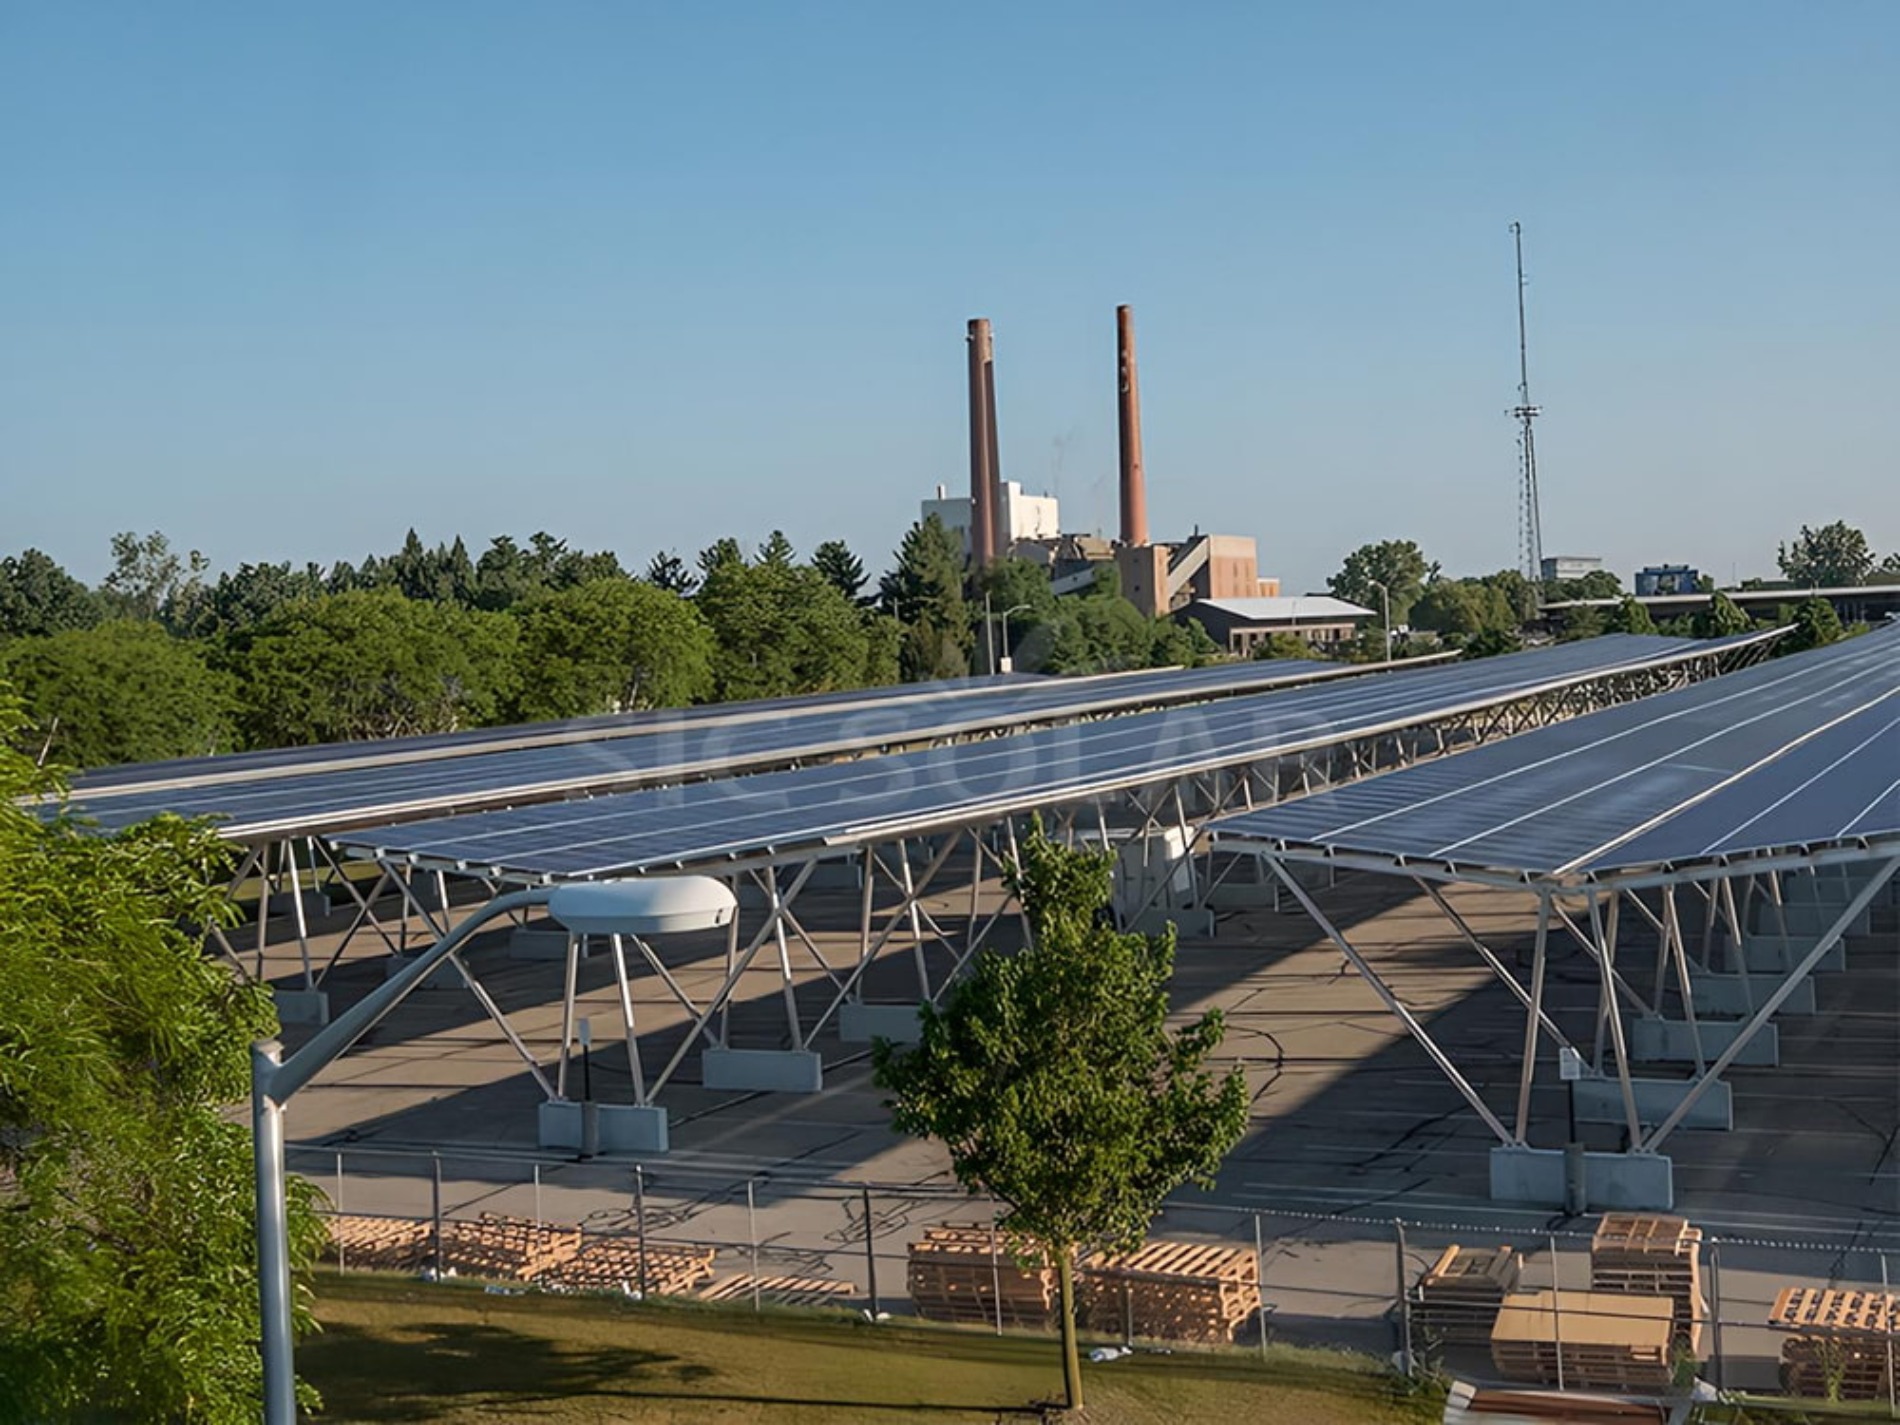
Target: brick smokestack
{"x": 982, "y": 445}
{"x": 1134, "y": 490}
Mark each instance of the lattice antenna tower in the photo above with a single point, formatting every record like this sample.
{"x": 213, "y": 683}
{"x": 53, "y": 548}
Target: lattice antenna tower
{"x": 1530, "y": 525}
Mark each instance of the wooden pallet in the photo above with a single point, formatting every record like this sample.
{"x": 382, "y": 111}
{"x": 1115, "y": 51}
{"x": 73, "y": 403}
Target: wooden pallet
{"x": 1457, "y": 1299}
{"x": 1819, "y": 1311}
{"x": 1649, "y": 1254}
{"x": 1603, "y": 1340}
{"x": 513, "y": 1248}
{"x": 1835, "y": 1367}
{"x": 612, "y": 1263}
{"x": 394, "y": 1244}
{"x": 966, "y": 1274}
{"x": 1643, "y": 1237}
{"x": 781, "y": 1291}
{"x": 1172, "y": 1291}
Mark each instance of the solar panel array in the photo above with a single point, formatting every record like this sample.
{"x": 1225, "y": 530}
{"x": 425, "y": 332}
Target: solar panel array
{"x": 877, "y": 799}
{"x": 387, "y": 751}
{"x": 1796, "y": 754}
{"x": 263, "y": 796}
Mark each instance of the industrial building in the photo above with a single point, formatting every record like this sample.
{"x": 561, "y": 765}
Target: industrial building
{"x": 1561, "y": 568}
{"x": 1021, "y": 519}
{"x": 1240, "y": 625}
{"x": 998, "y": 520}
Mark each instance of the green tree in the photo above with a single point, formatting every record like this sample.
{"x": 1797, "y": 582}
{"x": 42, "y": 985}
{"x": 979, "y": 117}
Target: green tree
{"x": 1630, "y": 616}
{"x": 1720, "y": 619}
{"x": 1053, "y": 1080}
{"x": 1597, "y": 584}
{"x": 1181, "y": 645}
{"x": 252, "y": 595}
{"x": 1581, "y": 622}
{"x": 1459, "y": 608}
{"x": 1492, "y": 642}
{"x": 1521, "y": 596}
{"x": 610, "y": 645}
{"x": 373, "y": 664}
{"x": 151, "y": 581}
{"x": 1815, "y": 623}
{"x": 1284, "y": 645}
{"x": 38, "y": 597}
{"x": 1399, "y": 564}
{"x": 777, "y": 549}
{"x": 1829, "y": 557}
{"x": 782, "y": 629}
{"x": 127, "y": 1254}
{"x": 924, "y": 592}
{"x": 666, "y": 570}
{"x": 120, "y": 692}
{"x": 841, "y": 568}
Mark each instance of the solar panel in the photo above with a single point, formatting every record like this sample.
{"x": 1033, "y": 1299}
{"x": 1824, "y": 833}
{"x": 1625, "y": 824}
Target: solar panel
{"x": 330, "y": 795}
{"x": 877, "y": 799}
{"x": 1800, "y": 751}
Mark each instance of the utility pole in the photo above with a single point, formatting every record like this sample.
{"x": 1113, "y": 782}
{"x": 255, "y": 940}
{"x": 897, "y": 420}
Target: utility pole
{"x": 1530, "y": 530}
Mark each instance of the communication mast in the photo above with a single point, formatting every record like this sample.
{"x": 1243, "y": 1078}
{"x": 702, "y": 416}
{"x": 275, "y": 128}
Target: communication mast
{"x": 1530, "y": 527}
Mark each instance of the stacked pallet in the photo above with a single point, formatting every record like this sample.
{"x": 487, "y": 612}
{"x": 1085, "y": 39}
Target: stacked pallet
{"x": 964, "y": 1274}
{"x": 1845, "y": 1343}
{"x": 1171, "y": 1291}
{"x": 394, "y": 1244}
{"x": 606, "y": 1263}
{"x": 1588, "y": 1339}
{"x": 514, "y": 1248}
{"x": 1458, "y": 1297}
{"x": 1643, "y": 1254}
{"x": 781, "y": 1291}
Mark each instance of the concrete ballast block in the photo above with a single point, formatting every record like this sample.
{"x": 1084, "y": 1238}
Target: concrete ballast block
{"x": 1601, "y": 1101}
{"x": 1673, "y": 1041}
{"x": 762, "y": 1070}
{"x": 1630, "y": 1182}
{"x": 1732, "y": 995}
{"x": 1767, "y": 954}
{"x": 860, "y": 1023}
{"x": 623, "y": 1127}
{"x": 302, "y": 1006}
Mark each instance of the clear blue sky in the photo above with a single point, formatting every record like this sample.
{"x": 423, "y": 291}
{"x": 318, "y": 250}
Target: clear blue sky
{"x": 284, "y": 280}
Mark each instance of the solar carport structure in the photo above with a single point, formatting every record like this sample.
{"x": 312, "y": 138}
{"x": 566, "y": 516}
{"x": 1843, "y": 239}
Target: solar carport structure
{"x": 1707, "y": 849}
{"x": 283, "y": 805}
{"x": 901, "y": 824}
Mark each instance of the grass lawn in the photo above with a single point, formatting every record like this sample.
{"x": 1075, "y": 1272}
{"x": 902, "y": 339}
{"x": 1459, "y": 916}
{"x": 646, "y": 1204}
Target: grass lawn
{"x": 399, "y": 1350}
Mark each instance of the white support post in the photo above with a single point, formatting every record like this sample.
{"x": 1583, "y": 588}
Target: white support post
{"x": 626, "y": 1020}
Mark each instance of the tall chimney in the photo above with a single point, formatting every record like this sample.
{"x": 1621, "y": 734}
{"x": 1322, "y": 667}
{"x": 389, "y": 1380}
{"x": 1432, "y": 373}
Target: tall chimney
{"x": 999, "y": 517}
{"x": 982, "y": 446}
{"x": 1134, "y": 491}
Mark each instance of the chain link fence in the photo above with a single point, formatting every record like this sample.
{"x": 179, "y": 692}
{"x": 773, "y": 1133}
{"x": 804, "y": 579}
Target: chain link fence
{"x": 1425, "y": 1295}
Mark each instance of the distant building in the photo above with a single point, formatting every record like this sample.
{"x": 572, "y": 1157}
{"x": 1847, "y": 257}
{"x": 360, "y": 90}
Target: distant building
{"x": 1024, "y": 517}
{"x": 1666, "y": 579}
{"x": 1561, "y": 568}
{"x": 1241, "y": 625}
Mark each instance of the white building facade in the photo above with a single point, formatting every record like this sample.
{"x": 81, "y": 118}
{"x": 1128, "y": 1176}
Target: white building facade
{"x": 1023, "y": 517}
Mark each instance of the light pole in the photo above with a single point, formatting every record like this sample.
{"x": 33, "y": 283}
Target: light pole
{"x": 997, "y": 662}
{"x": 1385, "y": 614}
{"x": 657, "y": 907}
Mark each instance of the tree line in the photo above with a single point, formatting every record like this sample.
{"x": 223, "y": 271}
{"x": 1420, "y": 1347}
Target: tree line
{"x": 162, "y": 659}
{"x": 1487, "y": 614}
